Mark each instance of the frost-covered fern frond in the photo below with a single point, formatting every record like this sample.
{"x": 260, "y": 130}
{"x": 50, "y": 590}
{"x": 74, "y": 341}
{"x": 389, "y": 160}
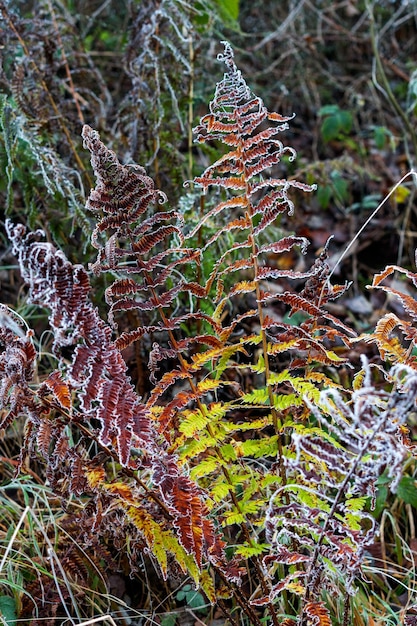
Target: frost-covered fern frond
{"x": 320, "y": 523}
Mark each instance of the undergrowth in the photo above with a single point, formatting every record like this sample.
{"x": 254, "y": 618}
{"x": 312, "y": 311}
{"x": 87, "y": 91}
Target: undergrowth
{"x": 244, "y": 468}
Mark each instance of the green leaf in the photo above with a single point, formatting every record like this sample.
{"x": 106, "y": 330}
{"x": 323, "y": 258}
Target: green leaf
{"x": 381, "y": 498}
{"x": 170, "y": 619}
{"x": 247, "y": 551}
{"x": 355, "y": 505}
{"x": 220, "y": 491}
{"x": 345, "y": 121}
{"x": 257, "y": 396}
{"x": 270, "y": 480}
{"x": 257, "y": 448}
{"x": 340, "y": 187}
{"x": 232, "y": 517}
{"x": 194, "y": 422}
{"x": 282, "y": 402}
{"x": 182, "y": 593}
{"x": 8, "y": 610}
{"x": 353, "y": 521}
{"x": 336, "y": 123}
{"x": 260, "y": 366}
{"x": 311, "y": 499}
{"x": 328, "y": 109}
{"x": 194, "y": 599}
{"x": 381, "y": 134}
{"x": 330, "y": 128}
{"x": 407, "y": 490}
{"x": 324, "y": 193}
{"x": 225, "y": 358}
{"x": 228, "y": 452}
{"x": 207, "y": 466}
{"x": 194, "y": 447}
{"x": 228, "y": 9}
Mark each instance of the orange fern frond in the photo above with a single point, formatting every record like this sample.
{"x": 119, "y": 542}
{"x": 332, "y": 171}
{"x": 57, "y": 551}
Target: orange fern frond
{"x": 318, "y": 613}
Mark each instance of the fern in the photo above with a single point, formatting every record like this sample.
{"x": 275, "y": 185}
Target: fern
{"x": 395, "y": 337}
{"x": 323, "y": 531}
{"x": 244, "y": 460}
{"x": 98, "y": 373}
{"x": 17, "y": 367}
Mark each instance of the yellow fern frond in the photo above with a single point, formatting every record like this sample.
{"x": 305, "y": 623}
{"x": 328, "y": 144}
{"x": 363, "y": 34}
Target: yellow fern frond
{"x": 95, "y": 476}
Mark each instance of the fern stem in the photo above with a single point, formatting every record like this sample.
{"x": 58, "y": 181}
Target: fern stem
{"x": 190, "y": 107}
{"x": 140, "y": 387}
{"x": 346, "y": 611}
{"x": 275, "y": 417}
{"x": 199, "y": 273}
{"x": 251, "y": 239}
{"x": 276, "y": 421}
{"x": 217, "y": 452}
{"x": 241, "y": 600}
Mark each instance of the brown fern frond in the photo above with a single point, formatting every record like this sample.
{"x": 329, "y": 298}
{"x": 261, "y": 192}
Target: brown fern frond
{"x": 97, "y": 370}
{"x": 285, "y": 245}
{"x": 196, "y": 531}
{"x": 147, "y": 242}
{"x": 299, "y": 303}
{"x": 238, "y": 224}
{"x": 17, "y": 367}
{"x": 292, "y": 582}
{"x": 235, "y": 117}
{"x": 44, "y": 436}
{"x": 168, "y": 379}
{"x": 123, "y": 192}
{"x": 61, "y": 450}
{"x": 388, "y": 342}
{"x": 317, "y": 613}
{"x": 138, "y": 243}
{"x": 128, "y": 337}
{"x": 59, "y": 388}
{"x": 266, "y": 273}
{"x": 231, "y": 203}
{"x": 254, "y": 199}
{"x": 407, "y": 301}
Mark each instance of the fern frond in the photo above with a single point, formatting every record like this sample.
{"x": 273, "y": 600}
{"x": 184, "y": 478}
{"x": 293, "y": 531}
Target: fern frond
{"x": 97, "y": 369}
{"x": 17, "y": 368}
{"x": 161, "y": 543}
{"x": 234, "y": 428}
{"x": 189, "y": 512}
{"x": 395, "y": 337}
{"x": 317, "y": 613}
{"x": 336, "y": 474}
{"x": 59, "y": 388}
{"x": 388, "y": 343}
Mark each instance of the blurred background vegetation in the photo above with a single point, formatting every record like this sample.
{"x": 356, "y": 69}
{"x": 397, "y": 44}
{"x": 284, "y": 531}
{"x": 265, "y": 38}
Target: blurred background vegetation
{"x": 142, "y": 72}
